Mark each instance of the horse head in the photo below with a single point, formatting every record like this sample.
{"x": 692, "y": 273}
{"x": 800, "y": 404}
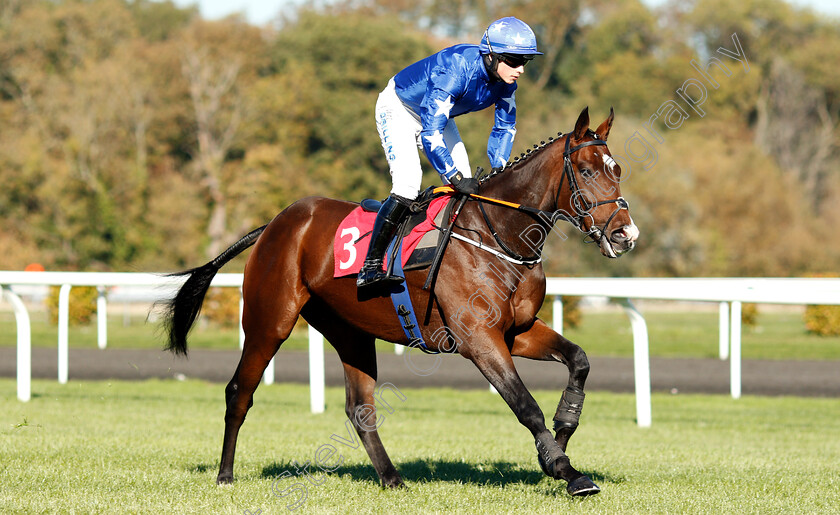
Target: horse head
{"x": 589, "y": 191}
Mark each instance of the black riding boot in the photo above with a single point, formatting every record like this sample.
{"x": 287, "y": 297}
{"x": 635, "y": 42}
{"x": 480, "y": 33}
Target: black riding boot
{"x": 387, "y": 221}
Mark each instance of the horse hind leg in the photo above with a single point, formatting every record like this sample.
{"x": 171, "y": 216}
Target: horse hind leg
{"x": 266, "y": 328}
{"x": 239, "y": 396}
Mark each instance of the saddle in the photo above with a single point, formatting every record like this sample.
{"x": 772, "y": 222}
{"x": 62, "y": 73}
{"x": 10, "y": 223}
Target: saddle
{"x": 419, "y": 233}
{"x": 419, "y": 243}
{"x": 423, "y": 253}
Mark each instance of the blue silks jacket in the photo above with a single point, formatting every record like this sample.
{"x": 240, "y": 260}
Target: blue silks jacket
{"x": 450, "y": 83}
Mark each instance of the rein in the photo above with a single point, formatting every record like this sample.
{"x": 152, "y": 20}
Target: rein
{"x": 549, "y": 218}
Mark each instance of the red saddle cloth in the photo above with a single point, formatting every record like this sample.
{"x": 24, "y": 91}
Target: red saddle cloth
{"x": 352, "y": 237}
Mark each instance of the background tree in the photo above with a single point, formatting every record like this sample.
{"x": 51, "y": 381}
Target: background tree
{"x": 217, "y": 60}
{"x": 136, "y": 136}
{"x": 348, "y": 59}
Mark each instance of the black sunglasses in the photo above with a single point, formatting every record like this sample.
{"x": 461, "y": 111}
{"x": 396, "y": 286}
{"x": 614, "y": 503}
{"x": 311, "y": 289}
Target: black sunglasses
{"x": 515, "y": 60}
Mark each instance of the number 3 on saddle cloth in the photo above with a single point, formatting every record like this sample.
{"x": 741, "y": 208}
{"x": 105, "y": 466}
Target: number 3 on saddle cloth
{"x": 419, "y": 238}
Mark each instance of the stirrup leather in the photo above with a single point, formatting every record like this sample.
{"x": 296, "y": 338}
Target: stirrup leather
{"x": 387, "y": 222}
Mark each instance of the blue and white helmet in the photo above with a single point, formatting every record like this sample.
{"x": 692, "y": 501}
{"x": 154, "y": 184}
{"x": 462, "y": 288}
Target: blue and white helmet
{"x": 509, "y": 36}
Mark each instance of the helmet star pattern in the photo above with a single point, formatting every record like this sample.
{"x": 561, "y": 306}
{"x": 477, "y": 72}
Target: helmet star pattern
{"x": 498, "y": 26}
{"x": 509, "y": 36}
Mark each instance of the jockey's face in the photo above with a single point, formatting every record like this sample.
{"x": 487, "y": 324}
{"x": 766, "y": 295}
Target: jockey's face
{"x": 508, "y": 73}
{"x": 511, "y": 67}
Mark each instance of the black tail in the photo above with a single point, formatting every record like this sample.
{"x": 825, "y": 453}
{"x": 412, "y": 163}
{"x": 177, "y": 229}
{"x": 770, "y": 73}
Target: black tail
{"x": 179, "y": 313}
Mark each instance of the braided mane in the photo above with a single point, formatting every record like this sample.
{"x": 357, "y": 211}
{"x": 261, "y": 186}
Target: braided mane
{"x": 522, "y": 158}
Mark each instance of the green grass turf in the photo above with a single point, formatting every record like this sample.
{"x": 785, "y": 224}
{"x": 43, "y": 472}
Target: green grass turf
{"x": 779, "y": 336}
{"x": 151, "y": 447}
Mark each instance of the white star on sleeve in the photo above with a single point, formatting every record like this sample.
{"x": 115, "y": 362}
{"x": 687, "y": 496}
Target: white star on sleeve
{"x": 436, "y": 140}
{"x": 444, "y": 106}
{"x": 512, "y": 134}
{"x": 511, "y": 102}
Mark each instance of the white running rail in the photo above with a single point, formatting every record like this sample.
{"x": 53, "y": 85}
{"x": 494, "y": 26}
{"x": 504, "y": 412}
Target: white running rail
{"x": 730, "y": 293}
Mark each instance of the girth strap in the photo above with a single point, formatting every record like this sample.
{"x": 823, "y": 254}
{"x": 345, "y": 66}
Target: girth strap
{"x": 402, "y": 301}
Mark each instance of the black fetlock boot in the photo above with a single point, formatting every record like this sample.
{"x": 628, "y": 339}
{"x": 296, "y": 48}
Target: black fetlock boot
{"x": 371, "y": 276}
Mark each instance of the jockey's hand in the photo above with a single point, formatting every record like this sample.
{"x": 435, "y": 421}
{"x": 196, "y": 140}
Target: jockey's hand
{"x": 464, "y": 185}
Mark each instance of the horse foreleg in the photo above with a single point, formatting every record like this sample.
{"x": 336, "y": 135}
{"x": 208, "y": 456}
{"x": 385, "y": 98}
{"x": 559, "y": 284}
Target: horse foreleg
{"x": 361, "y": 411}
{"x": 497, "y": 366}
{"x": 541, "y": 342}
{"x": 239, "y": 397}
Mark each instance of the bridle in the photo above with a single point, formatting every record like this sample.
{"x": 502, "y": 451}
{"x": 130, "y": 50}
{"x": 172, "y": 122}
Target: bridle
{"x": 581, "y": 206}
{"x": 579, "y": 203}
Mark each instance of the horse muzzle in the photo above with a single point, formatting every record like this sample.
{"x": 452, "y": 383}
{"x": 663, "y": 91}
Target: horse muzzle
{"x": 620, "y": 241}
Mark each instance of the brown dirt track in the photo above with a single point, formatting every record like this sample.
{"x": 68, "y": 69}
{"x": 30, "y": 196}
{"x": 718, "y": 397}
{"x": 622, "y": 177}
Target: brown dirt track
{"x": 760, "y": 377}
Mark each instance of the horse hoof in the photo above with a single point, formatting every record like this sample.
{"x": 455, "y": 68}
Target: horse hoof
{"x": 224, "y": 480}
{"x": 582, "y": 487}
{"x": 394, "y": 483}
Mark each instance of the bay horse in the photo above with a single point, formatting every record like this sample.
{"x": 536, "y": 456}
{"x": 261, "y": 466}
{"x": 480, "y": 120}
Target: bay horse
{"x": 483, "y": 304}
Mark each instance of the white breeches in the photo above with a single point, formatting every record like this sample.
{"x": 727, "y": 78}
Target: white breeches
{"x": 399, "y": 129}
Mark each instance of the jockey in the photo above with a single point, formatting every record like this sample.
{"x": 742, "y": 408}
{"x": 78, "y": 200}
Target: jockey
{"x": 417, "y": 108}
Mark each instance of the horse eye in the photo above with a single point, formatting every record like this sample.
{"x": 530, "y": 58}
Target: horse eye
{"x": 586, "y": 172}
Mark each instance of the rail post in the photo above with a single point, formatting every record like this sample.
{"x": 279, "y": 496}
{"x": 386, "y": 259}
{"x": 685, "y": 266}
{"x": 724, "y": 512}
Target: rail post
{"x": 557, "y": 314}
{"x": 101, "y": 318}
{"x": 63, "y": 332}
{"x": 641, "y": 363}
{"x": 24, "y": 345}
{"x": 316, "y": 371}
{"x": 723, "y": 330}
{"x": 735, "y": 354}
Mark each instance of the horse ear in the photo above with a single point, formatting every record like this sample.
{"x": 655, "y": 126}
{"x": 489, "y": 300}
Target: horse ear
{"x": 604, "y": 130}
{"x": 582, "y": 123}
